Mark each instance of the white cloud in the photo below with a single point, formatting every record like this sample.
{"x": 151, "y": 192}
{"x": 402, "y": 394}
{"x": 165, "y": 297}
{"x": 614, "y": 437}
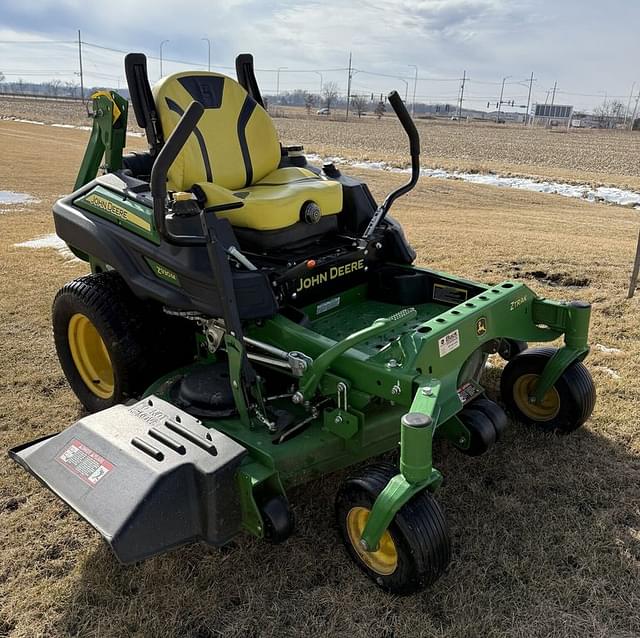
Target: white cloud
{"x": 583, "y": 44}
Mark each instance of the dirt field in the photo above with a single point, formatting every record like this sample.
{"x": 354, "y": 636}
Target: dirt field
{"x": 593, "y": 156}
{"x": 546, "y": 530}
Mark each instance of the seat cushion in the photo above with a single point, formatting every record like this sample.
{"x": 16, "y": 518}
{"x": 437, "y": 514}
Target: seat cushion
{"x": 235, "y": 142}
{"x": 276, "y": 201}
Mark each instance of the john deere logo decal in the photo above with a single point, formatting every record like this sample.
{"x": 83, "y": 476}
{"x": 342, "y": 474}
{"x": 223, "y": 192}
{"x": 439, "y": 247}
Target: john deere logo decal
{"x": 115, "y": 210}
{"x": 481, "y": 326}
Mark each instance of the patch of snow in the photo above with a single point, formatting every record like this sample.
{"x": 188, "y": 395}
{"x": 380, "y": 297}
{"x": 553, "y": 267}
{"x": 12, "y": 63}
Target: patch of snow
{"x": 50, "y": 241}
{"x": 606, "y": 349}
{"x": 73, "y": 126}
{"x": 606, "y": 194}
{"x": 612, "y": 373}
{"x": 10, "y": 197}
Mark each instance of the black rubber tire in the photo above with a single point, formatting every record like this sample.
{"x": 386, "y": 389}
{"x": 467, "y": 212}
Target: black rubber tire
{"x": 511, "y": 348}
{"x": 575, "y": 388}
{"x": 480, "y": 426}
{"x": 136, "y": 338}
{"x": 495, "y": 413}
{"x": 278, "y": 519}
{"x": 419, "y": 531}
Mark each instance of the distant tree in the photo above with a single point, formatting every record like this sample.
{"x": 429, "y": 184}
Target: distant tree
{"x": 380, "y": 109}
{"x": 20, "y": 85}
{"x": 71, "y": 88}
{"x": 617, "y": 109}
{"x": 609, "y": 113}
{"x": 54, "y": 87}
{"x": 309, "y": 101}
{"x": 359, "y": 103}
{"x": 330, "y": 93}
{"x": 1, "y": 76}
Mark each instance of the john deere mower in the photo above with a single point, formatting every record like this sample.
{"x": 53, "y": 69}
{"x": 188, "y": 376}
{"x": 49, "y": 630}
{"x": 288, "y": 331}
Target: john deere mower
{"x": 252, "y": 322}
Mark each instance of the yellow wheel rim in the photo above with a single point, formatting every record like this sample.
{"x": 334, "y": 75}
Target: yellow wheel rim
{"x": 385, "y": 559}
{"x": 90, "y": 356}
{"x": 545, "y": 410}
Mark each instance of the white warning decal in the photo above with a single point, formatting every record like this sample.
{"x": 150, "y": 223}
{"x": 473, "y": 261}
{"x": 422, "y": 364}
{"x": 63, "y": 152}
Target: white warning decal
{"x": 448, "y": 343}
{"x": 85, "y": 463}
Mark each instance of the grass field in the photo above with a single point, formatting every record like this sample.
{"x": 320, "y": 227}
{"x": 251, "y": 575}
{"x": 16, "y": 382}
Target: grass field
{"x": 546, "y": 529}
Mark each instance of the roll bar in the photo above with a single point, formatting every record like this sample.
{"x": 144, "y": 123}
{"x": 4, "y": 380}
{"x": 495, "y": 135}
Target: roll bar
{"x": 163, "y": 162}
{"x": 414, "y": 148}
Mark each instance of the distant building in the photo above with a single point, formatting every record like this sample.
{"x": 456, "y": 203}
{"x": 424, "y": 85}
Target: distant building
{"x": 552, "y": 115}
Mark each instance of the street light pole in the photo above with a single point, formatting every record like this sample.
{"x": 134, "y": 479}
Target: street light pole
{"x": 280, "y": 68}
{"x": 320, "y": 74}
{"x": 208, "y": 52}
{"x": 161, "y": 45}
{"x": 406, "y": 88}
{"x": 415, "y": 84}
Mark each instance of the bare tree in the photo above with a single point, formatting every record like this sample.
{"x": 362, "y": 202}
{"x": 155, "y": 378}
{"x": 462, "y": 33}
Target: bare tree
{"x": 54, "y": 87}
{"x": 380, "y": 109}
{"x": 330, "y": 93}
{"x": 71, "y": 88}
{"x": 617, "y": 109}
{"x": 359, "y": 103}
{"x": 309, "y": 101}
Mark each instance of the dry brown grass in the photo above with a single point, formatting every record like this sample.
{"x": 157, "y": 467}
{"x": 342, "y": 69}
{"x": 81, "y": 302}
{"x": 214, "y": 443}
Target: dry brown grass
{"x": 546, "y": 530}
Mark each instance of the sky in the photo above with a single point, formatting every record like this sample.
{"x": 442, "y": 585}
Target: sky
{"x": 590, "y": 48}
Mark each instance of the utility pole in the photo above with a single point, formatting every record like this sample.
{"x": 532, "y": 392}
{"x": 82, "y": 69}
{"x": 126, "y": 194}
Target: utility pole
{"x": 415, "y": 84}
{"x": 626, "y": 113}
{"x": 526, "y": 114}
{"x": 500, "y": 101}
{"x": 553, "y": 99}
{"x": 635, "y": 110}
{"x": 208, "y": 53}
{"x": 464, "y": 79}
{"x": 80, "y": 61}
{"x": 161, "y": 45}
{"x": 348, "y": 87}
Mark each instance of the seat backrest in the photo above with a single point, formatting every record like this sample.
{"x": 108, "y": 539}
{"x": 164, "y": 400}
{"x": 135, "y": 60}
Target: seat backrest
{"x": 235, "y": 143}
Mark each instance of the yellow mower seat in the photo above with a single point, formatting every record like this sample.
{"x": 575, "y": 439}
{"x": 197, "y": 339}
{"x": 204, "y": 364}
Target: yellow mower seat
{"x": 234, "y": 153}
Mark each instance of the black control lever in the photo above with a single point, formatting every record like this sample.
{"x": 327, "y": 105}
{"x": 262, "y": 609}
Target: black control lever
{"x": 163, "y": 162}
{"x": 414, "y": 147}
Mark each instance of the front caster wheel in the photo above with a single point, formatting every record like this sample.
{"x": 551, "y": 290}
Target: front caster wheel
{"x": 413, "y": 553}
{"x": 278, "y": 520}
{"x": 567, "y": 404}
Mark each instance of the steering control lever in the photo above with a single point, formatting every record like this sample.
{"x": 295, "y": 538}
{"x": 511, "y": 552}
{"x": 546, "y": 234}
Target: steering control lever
{"x": 414, "y": 147}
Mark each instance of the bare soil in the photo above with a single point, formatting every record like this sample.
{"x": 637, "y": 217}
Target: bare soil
{"x": 546, "y": 529}
{"x": 599, "y": 157}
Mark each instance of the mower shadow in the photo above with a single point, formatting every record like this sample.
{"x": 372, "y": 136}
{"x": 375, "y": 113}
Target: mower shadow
{"x": 543, "y": 543}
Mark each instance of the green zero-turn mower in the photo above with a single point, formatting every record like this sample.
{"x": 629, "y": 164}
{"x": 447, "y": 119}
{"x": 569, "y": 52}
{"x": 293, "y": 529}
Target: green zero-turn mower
{"x": 252, "y": 322}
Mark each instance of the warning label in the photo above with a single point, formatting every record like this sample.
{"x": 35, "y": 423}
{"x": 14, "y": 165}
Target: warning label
{"x": 448, "y": 343}
{"x": 467, "y": 391}
{"x": 85, "y": 463}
